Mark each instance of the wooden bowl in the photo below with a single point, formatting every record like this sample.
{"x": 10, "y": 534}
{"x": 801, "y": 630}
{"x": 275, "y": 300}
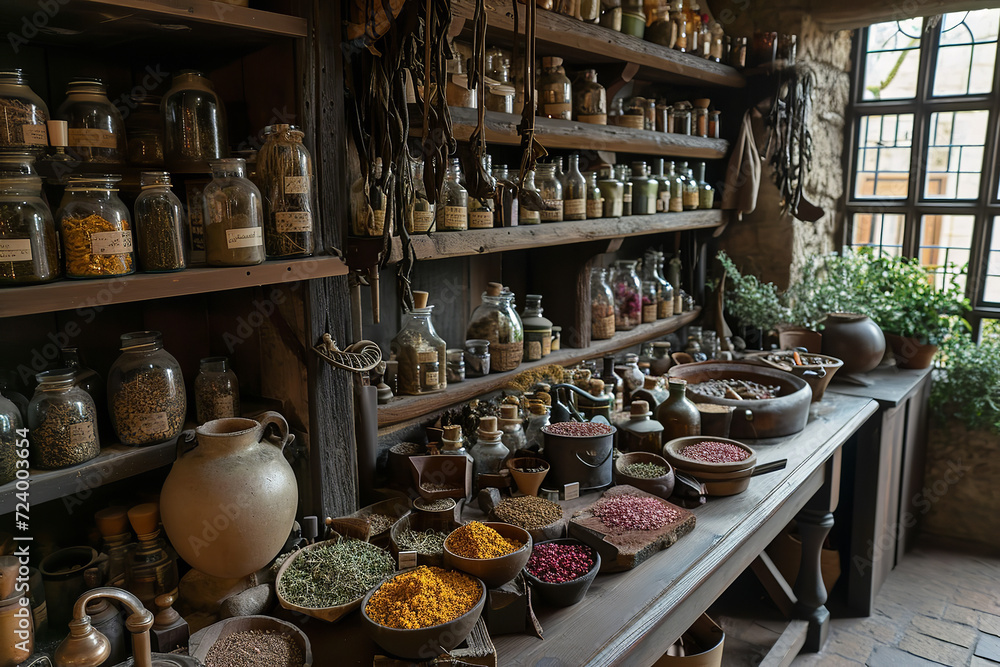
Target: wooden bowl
{"x": 420, "y": 521}
{"x": 672, "y": 452}
{"x": 394, "y": 507}
{"x": 423, "y": 643}
{"x": 569, "y": 592}
{"x": 494, "y": 572}
{"x": 661, "y": 486}
{"x": 202, "y": 641}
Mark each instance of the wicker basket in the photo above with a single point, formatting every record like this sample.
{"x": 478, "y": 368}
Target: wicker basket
{"x": 602, "y": 328}
{"x": 505, "y": 356}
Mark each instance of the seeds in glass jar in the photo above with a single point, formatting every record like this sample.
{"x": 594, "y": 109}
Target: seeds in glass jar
{"x": 528, "y": 512}
{"x": 149, "y": 408}
{"x": 65, "y": 437}
{"x": 331, "y": 575}
{"x": 215, "y": 398}
{"x": 255, "y": 648}
{"x": 22, "y": 124}
{"x": 8, "y": 457}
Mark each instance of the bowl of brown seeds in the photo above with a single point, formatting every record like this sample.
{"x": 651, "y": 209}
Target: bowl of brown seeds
{"x": 251, "y": 641}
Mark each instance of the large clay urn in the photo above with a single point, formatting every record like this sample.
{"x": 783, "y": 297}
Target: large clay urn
{"x": 855, "y": 339}
{"x": 229, "y": 502}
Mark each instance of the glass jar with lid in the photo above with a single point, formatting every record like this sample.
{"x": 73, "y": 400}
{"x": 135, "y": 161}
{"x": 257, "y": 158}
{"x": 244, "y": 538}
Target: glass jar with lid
{"x": 194, "y": 122}
{"x": 590, "y": 100}
{"x": 453, "y": 210}
{"x": 574, "y": 191}
{"x": 419, "y": 351}
{"x": 555, "y": 90}
{"x": 29, "y": 247}
{"x": 624, "y": 176}
{"x": 537, "y": 329}
{"x": 499, "y": 95}
{"x": 644, "y": 190}
{"x": 699, "y": 121}
{"x": 159, "y": 225}
{"x": 635, "y": 114}
{"x": 627, "y": 290}
{"x": 602, "y": 305}
{"x": 285, "y": 175}
{"x": 525, "y": 215}
{"x": 62, "y": 419}
{"x": 420, "y": 218}
{"x": 10, "y": 424}
{"x": 714, "y": 124}
{"x": 96, "y": 228}
{"x": 595, "y": 200}
{"x": 24, "y": 113}
{"x": 233, "y": 215}
{"x": 612, "y": 191}
{"x": 496, "y": 320}
{"x": 551, "y": 191}
{"x": 216, "y": 390}
{"x": 682, "y": 120}
{"x": 650, "y": 300}
{"x": 489, "y": 452}
{"x": 144, "y": 131}
{"x": 96, "y": 127}
{"x": 146, "y": 393}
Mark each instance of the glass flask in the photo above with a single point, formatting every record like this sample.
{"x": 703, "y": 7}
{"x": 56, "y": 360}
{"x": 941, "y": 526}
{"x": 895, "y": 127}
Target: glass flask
{"x": 96, "y": 128}
{"x": 678, "y": 414}
{"x": 421, "y": 214}
{"x": 62, "y": 419}
{"x": 624, "y": 176}
{"x": 613, "y": 383}
{"x": 96, "y": 228}
{"x": 706, "y": 193}
{"x": 419, "y": 351}
{"x": 496, "y": 320}
{"x": 537, "y": 329}
{"x": 590, "y": 100}
{"x": 453, "y": 213}
{"x": 29, "y": 247}
{"x": 526, "y": 216}
{"x": 216, "y": 390}
{"x": 481, "y": 211}
{"x": 194, "y": 122}
{"x": 551, "y": 191}
{"x": 555, "y": 90}
{"x": 287, "y": 188}
{"x": 650, "y": 300}
{"x": 612, "y": 191}
{"x": 595, "y": 200}
{"x": 160, "y": 243}
{"x": 602, "y": 305}
{"x": 234, "y": 217}
{"x": 626, "y": 287}
{"x": 676, "y": 201}
{"x": 489, "y": 452}
{"x": 146, "y": 394}
{"x": 24, "y": 113}
{"x": 574, "y": 191}
{"x": 644, "y": 190}
{"x": 653, "y": 270}
{"x": 513, "y": 438}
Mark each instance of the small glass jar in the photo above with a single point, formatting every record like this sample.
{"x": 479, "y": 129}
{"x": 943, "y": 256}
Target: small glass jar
{"x": 611, "y": 15}
{"x": 456, "y": 365}
{"x": 420, "y": 218}
{"x": 458, "y": 92}
{"x": 682, "y": 120}
{"x": 29, "y": 247}
{"x": 481, "y": 211}
{"x": 194, "y": 123}
{"x": 675, "y": 203}
{"x": 62, "y": 420}
{"x": 489, "y": 452}
{"x": 627, "y": 289}
{"x": 24, "y": 113}
{"x": 764, "y": 47}
{"x": 590, "y": 100}
{"x": 717, "y": 46}
{"x": 706, "y": 193}
{"x": 10, "y": 424}
{"x": 144, "y": 131}
{"x": 700, "y": 122}
{"x": 595, "y": 200}
{"x": 624, "y": 176}
{"x": 96, "y": 229}
{"x": 537, "y": 329}
{"x": 499, "y": 96}
{"x": 287, "y": 188}
{"x": 574, "y": 191}
{"x": 146, "y": 394}
{"x": 602, "y": 305}
{"x": 653, "y": 265}
{"x": 738, "y": 52}
{"x": 644, "y": 190}
{"x": 714, "y": 125}
{"x": 555, "y": 89}
{"x": 159, "y": 225}
{"x": 635, "y": 114}
{"x": 233, "y": 215}
{"x": 527, "y": 216}
{"x": 453, "y": 213}
{"x": 611, "y": 192}
{"x": 497, "y": 321}
{"x": 477, "y": 358}
{"x": 419, "y": 351}
{"x": 216, "y": 390}
{"x": 650, "y": 301}
{"x": 551, "y": 191}
{"x": 96, "y": 128}
{"x": 659, "y": 28}
{"x": 616, "y": 111}
{"x": 690, "y": 189}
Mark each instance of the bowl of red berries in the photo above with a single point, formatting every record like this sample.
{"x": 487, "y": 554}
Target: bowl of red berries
{"x": 561, "y": 571}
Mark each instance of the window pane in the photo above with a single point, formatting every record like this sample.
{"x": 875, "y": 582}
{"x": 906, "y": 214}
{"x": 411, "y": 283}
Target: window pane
{"x": 883, "y": 157}
{"x": 991, "y": 291}
{"x": 892, "y": 60}
{"x": 967, "y": 53}
{"x": 955, "y": 154}
{"x": 883, "y": 231}
{"x": 945, "y": 241}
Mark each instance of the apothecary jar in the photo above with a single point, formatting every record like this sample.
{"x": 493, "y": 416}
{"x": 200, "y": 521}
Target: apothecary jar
{"x": 496, "y": 320}
{"x": 285, "y": 176}
{"x": 29, "y": 248}
{"x": 62, "y": 420}
{"x": 626, "y": 287}
{"x": 96, "y": 228}
{"x": 234, "y": 233}
{"x": 146, "y": 394}
{"x": 194, "y": 122}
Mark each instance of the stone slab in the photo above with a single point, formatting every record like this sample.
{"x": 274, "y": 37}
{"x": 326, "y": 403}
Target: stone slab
{"x": 953, "y": 633}
{"x": 933, "y": 649}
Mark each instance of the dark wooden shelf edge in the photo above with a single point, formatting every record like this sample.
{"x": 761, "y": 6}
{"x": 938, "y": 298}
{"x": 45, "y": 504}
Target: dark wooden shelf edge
{"x": 484, "y": 241}
{"x": 73, "y": 294}
{"x": 214, "y": 13}
{"x": 405, "y": 408}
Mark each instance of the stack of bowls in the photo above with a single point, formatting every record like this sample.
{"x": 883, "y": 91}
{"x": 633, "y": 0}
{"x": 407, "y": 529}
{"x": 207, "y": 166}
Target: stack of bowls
{"x": 720, "y": 479}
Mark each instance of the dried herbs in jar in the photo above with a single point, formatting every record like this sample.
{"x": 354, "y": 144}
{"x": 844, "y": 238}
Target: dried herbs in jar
{"x": 96, "y": 228}
{"x": 62, "y": 420}
{"x": 285, "y": 176}
{"x": 146, "y": 391}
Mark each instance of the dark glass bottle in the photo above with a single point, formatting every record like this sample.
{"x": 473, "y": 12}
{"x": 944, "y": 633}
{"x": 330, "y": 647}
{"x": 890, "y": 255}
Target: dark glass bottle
{"x": 613, "y": 383}
{"x": 640, "y": 433}
{"x": 678, "y": 414}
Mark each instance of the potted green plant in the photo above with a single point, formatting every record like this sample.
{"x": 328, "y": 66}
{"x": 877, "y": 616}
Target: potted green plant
{"x": 754, "y": 304}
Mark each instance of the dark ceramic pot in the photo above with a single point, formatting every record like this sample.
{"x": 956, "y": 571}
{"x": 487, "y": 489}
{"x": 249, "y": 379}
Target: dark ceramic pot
{"x": 910, "y": 353}
{"x": 855, "y": 339}
{"x": 569, "y": 592}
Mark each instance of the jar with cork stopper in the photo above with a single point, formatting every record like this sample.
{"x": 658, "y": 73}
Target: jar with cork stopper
{"x": 510, "y": 424}
{"x": 489, "y": 453}
{"x": 640, "y": 433}
{"x": 538, "y": 416}
{"x": 419, "y": 351}
{"x": 496, "y": 320}
{"x": 452, "y": 442}
{"x": 555, "y": 89}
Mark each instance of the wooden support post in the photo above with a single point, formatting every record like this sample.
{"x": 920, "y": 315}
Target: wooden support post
{"x": 777, "y": 588}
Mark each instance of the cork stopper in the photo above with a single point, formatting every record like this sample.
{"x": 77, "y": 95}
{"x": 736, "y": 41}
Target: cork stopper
{"x": 677, "y": 382}
{"x": 112, "y": 521}
{"x": 702, "y": 103}
{"x": 145, "y": 518}
{"x": 650, "y": 382}
{"x": 453, "y": 433}
{"x": 420, "y": 299}
{"x": 639, "y": 409}
{"x": 488, "y": 427}
{"x": 494, "y": 289}
{"x": 508, "y": 412}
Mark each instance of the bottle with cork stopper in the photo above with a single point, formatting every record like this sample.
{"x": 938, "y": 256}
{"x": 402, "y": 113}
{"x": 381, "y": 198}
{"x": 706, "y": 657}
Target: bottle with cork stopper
{"x": 640, "y": 433}
{"x": 419, "y": 351}
{"x": 452, "y": 442}
{"x": 496, "y": 320}
{"x": 489, "y": 453}
{"x": 538, "y": 416}
{"x": 651, "y": 392}
{"x": 513, "y": 437}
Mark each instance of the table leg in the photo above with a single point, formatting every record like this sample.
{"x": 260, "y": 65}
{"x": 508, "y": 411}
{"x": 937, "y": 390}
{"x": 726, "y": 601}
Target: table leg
{"x": 810, "y": 593}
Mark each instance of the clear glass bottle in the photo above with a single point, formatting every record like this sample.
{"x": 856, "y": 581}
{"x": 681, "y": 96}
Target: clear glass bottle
{"x": 537, "y": 329}
{"x": 452, "y": 442}
{"x": 664, "y": 117}
{"x": 678, "y": 414}
{"x": 613, "y": 383}
{"x": 574, "y": 191}
{"x": 287, "y": 188}
{"x": 10, "y": 424}
{"x": 453, "y": 213}
{"x": 640, "y": 433}
{"x": 650, "y": 300}
{"x": 624, "y": 175}
{"x": 505, "y": 214}
{"x": 420, "y": 218}
{"x": 595, "y": 199}
{"x": 674, "y": 278}
{"x": 146, "y": 395}
{"x": 590, "y": 100}
{"x": 29, "y": 247}
{"x": 233, "y": 215}
{"x": 628, "y": 300}
{"x": 706, "y": 193}
{"x": 481, "y": 213}
{"x": 538, "y": 417}
{"x": 551, "y": 191}
{"x": 216, "y": 390}
{"x": 62, "y": 420}
{"x": 514, "y": 437}
{"x": 24, "y": 113}
{"x": 96, "y": 127}
{"x": 373, "y": 226}
{"x": 144, "y": 131}
{"x": 676, "y": 201}
{"x": 699, "y": 121}
{"x": 632, "y": 377}
{"x": 96, "y": 229}
{"x": 612, "y": 191}
{"x": 690, "y": 190}
{"x": 644, "y": 190}
{"x": 526, "y": 216}
{"x": 662, "y": 188}
{"x": 555, "y": 90}
{"x": 654, "y": 266}
{"x": 602, "y": 305}
{"x": 489, "y": 452}
{"x": 160, "y": 243}
{"x": 496, "y": 320}
{"x": 194, "y": 122}
{"x": 419, "y": 351}
{"x": 616, "y": 112}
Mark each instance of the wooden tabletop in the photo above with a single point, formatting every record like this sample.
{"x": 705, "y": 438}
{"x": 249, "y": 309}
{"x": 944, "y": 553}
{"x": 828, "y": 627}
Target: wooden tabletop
{"x": 890, "y": 385}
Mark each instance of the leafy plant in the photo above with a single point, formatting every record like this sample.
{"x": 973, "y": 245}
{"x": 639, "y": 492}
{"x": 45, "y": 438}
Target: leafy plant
{"x": 751, "y": 302}
{"x": 967, "y": 382}
{"x": 833, "y": 283}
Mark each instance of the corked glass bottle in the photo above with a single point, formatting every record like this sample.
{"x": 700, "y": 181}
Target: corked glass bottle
{"x": 678, "y": 414}
{"x": 489, "y": 452}
{"x": 285, "y": 176}
{"x": 453, "y": 207}
{"x": 420, "y": 218}
{"x": 514, "y": 437}
{"x": 555, "y": 90}
{"x": 526, "y": 216}
{"x": 613, "y": 383}
{"x": 640, "y": 433}
{"x": 419, "y": 351}
{"x": 574, "y": 191}
{"x": 496, "y": 320}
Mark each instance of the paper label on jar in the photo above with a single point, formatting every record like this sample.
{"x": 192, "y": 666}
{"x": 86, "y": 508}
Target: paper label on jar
{"x": 91, "y": 138}
{"x": 676, "y": 204}
{"x": 634, "y": 121}
{"x": 594, "y": 119}
{"x": 661, "y": 204}
{"x": 456, "y": 217}
{"x": 81, "y": 433}
{"x": 533, "y": 350}
{"x": 154, "y": 423}
{"x": 649, "y": 313}
{"x": 555, "y": 214}
{"x": 111, "y": 243}
{"x": 481, "y": 219}
{"x": 244, "y": 237}
{"x": 691, "y": 199}
{"x": 432, "y": 378}
{"x": 427, "y": 357}
{"x": 293, "y": 221}
{"x": 296, "y": 185}
{"x": 528, "y": 216}
{"x": 595, "y": 208}
{"x": 422, "y": 221}
{"x": 627, "y": 198}
{"x": 35, "y": 134}
{"x": 222, "y": 406}
{"x": 564, "y": 111}
{"x": 575, "y": 207}
{"x": 15, "y": 250}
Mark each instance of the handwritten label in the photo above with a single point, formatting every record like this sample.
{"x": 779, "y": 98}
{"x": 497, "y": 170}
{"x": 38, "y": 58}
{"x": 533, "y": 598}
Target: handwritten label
{"x": 296, "y": 185}
{"x": 154, "y": 423}
{"x": 481, "y": 219}
{"x": 91, "y": 138}
{"x": 407, "y": 559}
{"x": 571, "y": 491}
{"x": 244, "y": 237}
{"x": 432, "y": 378}
{"x": 595, "y": 208}
{"x": 81, "y": 433}
{"x": 35, "y": 135}
{"x": 422, "y": 221}
{"x": 575, "y": 207}
{"x": 294, "y": 221}
{"x": 556, "y": 212}
{"x": 456, "y": 218}
{"x": 15, "y": 250}
{"x": 111, "y": 243}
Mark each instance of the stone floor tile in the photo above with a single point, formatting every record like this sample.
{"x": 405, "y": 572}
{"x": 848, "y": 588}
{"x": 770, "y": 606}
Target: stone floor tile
{"x": 850, "y": 645}
{"x": 962, "y": 615}
{"x": 934, "y": 649}
{"x": 989, "y": 623}
{"x": 889, "y": 656}
{"x": 982, "y": 662}
{"x": 947, "y": 631}
{"x": 823, "y": 660}
{"x": 988, "y": 647}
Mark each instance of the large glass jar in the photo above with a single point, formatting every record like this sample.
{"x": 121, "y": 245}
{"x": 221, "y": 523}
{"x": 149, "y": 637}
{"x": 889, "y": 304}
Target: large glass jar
{"x": 595, "y": 200}
{"x": 23, "y": 112}
{"x": 602, "y": 305}
{"x": 555, "y": 90}
{"x": 234, "y": 217}
{"x": 159, "y": 225}
{"x": 146, "y": 393}
{"x": 144, "y": 129}
{"x": 285, "y": 178}
{"x": 551, "y": 191}
{"x": 496, "y": 320}
{"x": 537, "y": 329}
{"x": 421, "y": 354}
{"x": 624, "y": 175}
{"x": 420, "y": 218}
{"x": 62, "y": 420}
{"x": 574, "y": 191}
{"x": 29, "y": 248}
{"x": 644, "y": 190}
{"x": 626, "y": 287}
{"x": 527, "y": 216}
{"x": 590, "y": 100}
{"x": 194, "y": 123}
{"x": 10, "y": 424}
{"x": 612, "y": 192}
{"x": 216, "y": 390}
{"x": 96, "y": 228}
{"x": 453, "y": 211}
{"x": 96, "y": 127}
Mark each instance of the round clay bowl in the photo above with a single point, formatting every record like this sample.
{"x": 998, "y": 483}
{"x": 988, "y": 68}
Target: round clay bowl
{"x": 494, "y": 572}
{"x": 423, "y": 643}
{"x": 202, "y": 641}
{"x": 724, "y": 483}
{"x": 569, "y": 592}
{"x": 421, "y": 521}
{"x": 528, "y": 483}
{"x": 672, "y": 452}
{"x": 661, "y": 486}
{"x": 809, "y": 372}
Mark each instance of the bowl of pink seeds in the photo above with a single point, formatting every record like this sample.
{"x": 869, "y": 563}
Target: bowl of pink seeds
{"x": 722, "y": 464}
{"x": 562, "y": 570}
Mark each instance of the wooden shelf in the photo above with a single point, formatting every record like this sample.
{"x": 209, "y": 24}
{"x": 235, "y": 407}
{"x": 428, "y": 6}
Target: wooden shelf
{"x": 115, "y": 462}
{"x": 501, "y": 128}
{"x": 577, "y": 41}
{"x": 484, "y": 241}
{"x": 73, "y": 294}
{"x": 404, "y": 408}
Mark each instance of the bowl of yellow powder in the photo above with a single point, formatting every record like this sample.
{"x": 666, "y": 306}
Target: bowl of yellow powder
{"x": 492, "y": 551}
